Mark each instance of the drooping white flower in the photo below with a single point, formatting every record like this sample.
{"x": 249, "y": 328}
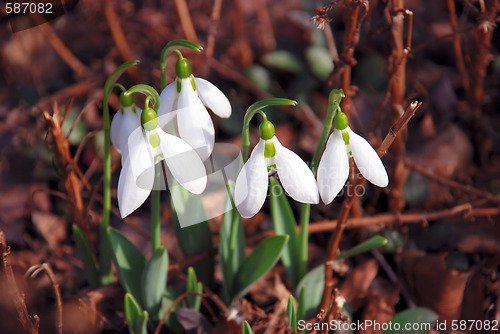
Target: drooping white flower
{"x": 146, "y": 146}
{"x": 188, "y": 98}
{"x": 270, "y": 156}
{"x": 333, "y": 169}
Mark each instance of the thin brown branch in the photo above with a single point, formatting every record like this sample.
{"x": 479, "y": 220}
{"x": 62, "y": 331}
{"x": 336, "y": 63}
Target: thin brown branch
{"x": 356, "y": 12}
{"x": 450, "y": 183}
{"x": 397, "y": 82}
{"x": 34, "y": 271}
{"x": 63, "y": 51}
{"x": 348, "y": 202}
{"x": 75, "y": 90}
{"x": 265, "y": 25}
{"x": 214, "y": 24}
{"x": 30, "y": 324}
{"x": 457, "y": 48}
{"x": 482, "y": 56}
{"x": 119, "y": 36}
{"x": 186, "y": 22}
{"x": 174, "y": 304}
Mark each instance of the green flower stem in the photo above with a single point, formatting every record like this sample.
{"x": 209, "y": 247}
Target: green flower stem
{"x": 106, "y": 275}
{"x": 156, "y": 211}
{"x": 152, "y": 96}
{"x": 167, "y": 50}
{"x": 334, "y": 99}
{"x": 149, "y": 91}
{"x": 251, "y": 111}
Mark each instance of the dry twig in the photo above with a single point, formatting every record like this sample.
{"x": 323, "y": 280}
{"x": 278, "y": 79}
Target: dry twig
{"x": 119, "y": 36}
{"x": 186, "y": 22}
{"x": 30, "y": 324}
{"x": 397, "y": 82}
{"x": 62, "y": 50}
{"x": 72, "y": 174}
{"x": 33, "y": 272}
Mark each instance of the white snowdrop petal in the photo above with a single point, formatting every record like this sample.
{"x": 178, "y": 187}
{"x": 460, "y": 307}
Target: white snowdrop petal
{"x": 295, "y": 177}
{"x": 168, "y": 101}
{"x": 213, "y": 98}
{"x": 129, "y": 123}
{"x": 333, "y": 168}
{"x": 251, "y": 185}
{"x": 183, "y": 162}
{"x": 115, "y": 130}
{"x": 131, "y": 192}
{"x": 367, "y": 160}
{"x": 194, "y": 122}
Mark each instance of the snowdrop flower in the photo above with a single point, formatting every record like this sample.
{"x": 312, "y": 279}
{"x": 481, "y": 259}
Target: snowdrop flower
{"x": 333, "y": 168}
{"x": 267, "y": 157}
{"x": 187, "y": 98}
{"x": 147, "y": 146}
{"x": 124, "y": 123}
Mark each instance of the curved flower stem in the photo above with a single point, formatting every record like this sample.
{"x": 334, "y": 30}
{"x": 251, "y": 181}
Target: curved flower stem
{"x": 156, "y": 211}
{"x": 106, "y": 253}
{"x": 334, "y": 99}
{"x": 152, "y": 95}
{"x": 149, "y": 91}
{"x": 251, "y": 111}
{"x": 168, "y": 49}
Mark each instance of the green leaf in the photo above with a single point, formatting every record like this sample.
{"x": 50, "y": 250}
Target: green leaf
{"x": 301, "y": 312}
{"x": 415, "y": 316}
{"x": 89, "y": 262}
{"x": 141, "y": 327}
{"x": 231, "y": 245}
{"x": 290, "y": 313}
{"x": 154, "y": 281}
{"x": 79, "y": 130}
{"x": 258, "y": 263}
{"x": 283, "y": 60}
{"x": 259, "y": 76}
{"x": 245, "y": 328}
{"x": 309, "y": 299}
{"x": 129, "y": 261}
{"x": 192, "y": 285}
{"x": 133, "y": 312}
{"x": 320, "y": 61}
{"x": 195, "y": 239}
{"x": 285, "y": 224}
{"x": 166, "y": 302}
{"x": 372, "y": 243}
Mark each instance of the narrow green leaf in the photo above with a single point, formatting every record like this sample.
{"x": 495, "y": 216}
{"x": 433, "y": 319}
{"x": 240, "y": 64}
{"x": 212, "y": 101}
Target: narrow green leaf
{"x": 415, "y": 318}
{"x": 245, "y": 328}
{"x": 301, "y": 312}
{"x": 290, "y": 313}
{"x": 88, "y": 259}
{"x": 285, "y": 224}
{"x": 141, "y": 326}
{"x": 320, "y": 61}
{"x": 312, "y": 283}
{"x": 154, "y": 281}
{"x": 133, "y": 312}
{"x": 231, "y": 244}
{"x": 283, "y": 60}
{"x": 129, "y": 261}
{"x": 258, "y": 263}
{"x": 372, "y": 243}
{"x": 192, "y": 285}
{"x": 195, "y": 239}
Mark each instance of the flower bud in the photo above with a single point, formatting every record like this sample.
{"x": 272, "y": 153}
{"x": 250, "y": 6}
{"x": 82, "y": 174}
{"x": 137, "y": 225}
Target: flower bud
{"x": 266, "y": 130}
{"x": 149, "y": 119}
